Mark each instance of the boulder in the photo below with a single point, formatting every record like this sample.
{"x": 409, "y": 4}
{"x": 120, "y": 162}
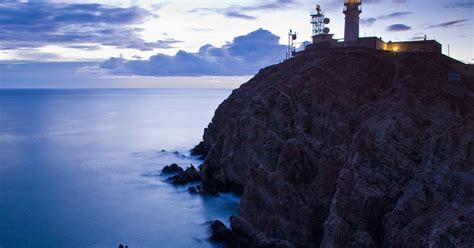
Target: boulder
{"x": 199, "y": 150}
{"x": 199, "y": 189}
{"x": 188, "y": 176}
{"x": 195, "y": 189}
{"x": 173, "y": 168}
{"x": 219, "y": 232}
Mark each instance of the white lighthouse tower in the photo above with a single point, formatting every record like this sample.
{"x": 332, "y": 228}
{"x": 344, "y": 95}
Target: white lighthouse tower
{"x": 352, "y": 10}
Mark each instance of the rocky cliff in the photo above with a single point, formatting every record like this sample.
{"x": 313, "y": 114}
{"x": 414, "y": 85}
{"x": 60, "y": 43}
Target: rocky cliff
{"x": 348, "y": 148}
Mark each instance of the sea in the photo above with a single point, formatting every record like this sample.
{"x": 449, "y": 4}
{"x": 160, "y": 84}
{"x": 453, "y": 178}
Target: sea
{"x": 82, "y": 168}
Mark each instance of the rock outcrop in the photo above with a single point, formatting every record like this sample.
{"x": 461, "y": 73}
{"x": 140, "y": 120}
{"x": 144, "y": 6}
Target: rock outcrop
{"x": 172, "y": 168}
{"x": 219, "y": 232}
{"x": 349, "y": 148}
{"x": 191, "y": 174}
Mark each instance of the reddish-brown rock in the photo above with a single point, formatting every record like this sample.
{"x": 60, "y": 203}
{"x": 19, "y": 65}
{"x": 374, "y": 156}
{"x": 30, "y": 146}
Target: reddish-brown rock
{"x": 349, "y": 148}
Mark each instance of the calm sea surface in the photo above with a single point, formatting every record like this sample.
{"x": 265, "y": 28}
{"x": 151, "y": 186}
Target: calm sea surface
{"x": 81, "y": 168}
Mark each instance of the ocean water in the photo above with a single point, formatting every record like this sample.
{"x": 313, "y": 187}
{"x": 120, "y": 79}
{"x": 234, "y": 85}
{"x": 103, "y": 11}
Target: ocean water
{"x": 81, "y": 168}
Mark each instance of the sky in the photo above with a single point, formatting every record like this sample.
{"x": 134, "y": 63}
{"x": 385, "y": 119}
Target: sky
{"x": 193, "y": 44}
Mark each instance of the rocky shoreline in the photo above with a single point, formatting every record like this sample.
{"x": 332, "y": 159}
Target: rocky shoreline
{"x": 346, "y": 148}
{"x": 180, "y": 176}
{"x": 241, "y": 233}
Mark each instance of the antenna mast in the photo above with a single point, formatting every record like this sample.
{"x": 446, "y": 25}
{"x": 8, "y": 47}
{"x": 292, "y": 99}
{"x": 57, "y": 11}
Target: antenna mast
{"x": 292, "y": 36}
{"x": 318, "y": 20}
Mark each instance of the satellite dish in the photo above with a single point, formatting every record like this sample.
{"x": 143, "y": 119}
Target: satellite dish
{"x": 326, "y": 20}
{"x": 294, "y": 37}
{"x": 326, "y": 30}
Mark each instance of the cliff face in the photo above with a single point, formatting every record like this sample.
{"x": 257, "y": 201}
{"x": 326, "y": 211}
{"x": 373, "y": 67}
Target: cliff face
{"x": 349, "y": 148}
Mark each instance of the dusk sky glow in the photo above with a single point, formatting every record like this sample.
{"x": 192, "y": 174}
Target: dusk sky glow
{"x": 219, "y": 44}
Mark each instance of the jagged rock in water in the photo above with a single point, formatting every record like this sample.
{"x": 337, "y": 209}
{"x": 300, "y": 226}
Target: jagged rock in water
{"x": 199, "y": 150}
{"x": 172, "y": 168}
{"x": 188, "y": 176}
{"x": 349, "y": 148}
{"x": 219, "y": 232}
{"x": 243, "y": 235}
{"x": 194, "y": 189}
{"x": 199, "y": 189}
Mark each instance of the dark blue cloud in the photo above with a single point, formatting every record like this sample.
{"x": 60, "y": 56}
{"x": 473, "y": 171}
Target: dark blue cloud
{"x": 394, "y": 15}
{"x": 244, "y": 12}
{"x": 462, "y": 5}
{"x": 417, "y": 38}
{"x": 337, "y": 4}
{"x": 234, "y": 14}
{"x": 367, "y": 22}
{"x": 276, "y": 5}
{"x": 245, "y": 55}
{"x": 455, "y": 23}
{"x": 370, "y": 21}
{"x": 398, "y": 27}
{"x": 36, "y": 24}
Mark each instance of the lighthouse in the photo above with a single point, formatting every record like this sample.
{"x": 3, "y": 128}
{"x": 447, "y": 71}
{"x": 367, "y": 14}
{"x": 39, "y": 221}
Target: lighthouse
{"x": 352, "y": 10}
{"x": 322, "y": 39}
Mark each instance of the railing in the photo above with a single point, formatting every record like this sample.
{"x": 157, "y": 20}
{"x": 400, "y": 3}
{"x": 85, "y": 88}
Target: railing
{"x": 345, "y": 7}
{"x": 352, "y": 1}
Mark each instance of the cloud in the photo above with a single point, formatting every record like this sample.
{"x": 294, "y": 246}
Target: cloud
{"x": 338, "y": 4}
{"x": 464, "y": 36}
{"x": 450, "y": 24}
{"x": 398, "y": 27}
{"x": 370, "y": 21}
{"x": 202, "y": 29}
{"x": 394, "y": 15}
{"x": 85, "y": 47}
{"x": 33, "y": 74}
{"x": 34, "y": 54}
{"x": 245, "y": 55}
{"x": 417, "y": 38}
{"x": 243, "y": 12}
{"x": 367, "y": 22}
{"x": 302, "y": 46}
{"x": 234, "y": 14}
{"x": 277, "y": 5}
{"x": 461, "y": 5}
{"x": 36, "y": 23}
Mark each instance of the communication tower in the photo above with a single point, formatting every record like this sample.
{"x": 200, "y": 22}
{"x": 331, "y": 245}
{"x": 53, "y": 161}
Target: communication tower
{"x": 292, "y": 36}
{"x": 318, "y": 20}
